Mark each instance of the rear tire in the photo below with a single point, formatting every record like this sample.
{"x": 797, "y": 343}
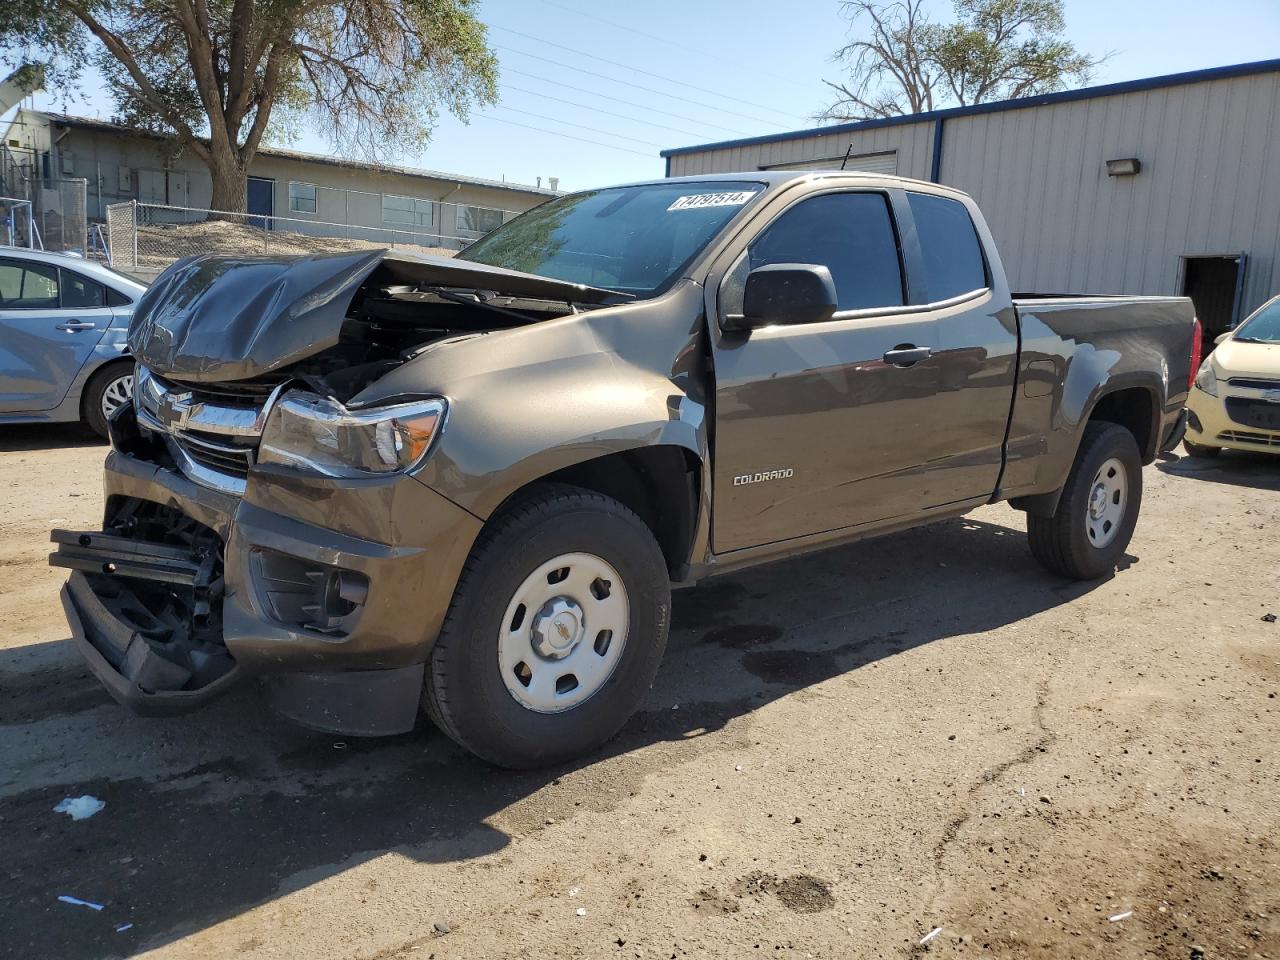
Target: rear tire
{"x": 107, "y": 389}
{"x": 495, "y": 676}
{"x": 1098, "y": 510}
{"x": 1199, "y": 450}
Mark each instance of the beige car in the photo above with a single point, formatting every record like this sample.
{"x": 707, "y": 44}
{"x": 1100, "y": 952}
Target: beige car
{"x": 1235, "y": 403}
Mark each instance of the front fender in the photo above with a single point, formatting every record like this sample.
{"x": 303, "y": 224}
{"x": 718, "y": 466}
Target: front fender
{"x": 527, "y": 402}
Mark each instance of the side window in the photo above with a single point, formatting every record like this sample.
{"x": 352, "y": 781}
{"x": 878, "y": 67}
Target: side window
{"x": 949, "y": 243}
{"x": 28, "y": 286}
{"x": 117, "y": 299}
{"x": 849, "y": 233}
{"x": 80, "y": 292}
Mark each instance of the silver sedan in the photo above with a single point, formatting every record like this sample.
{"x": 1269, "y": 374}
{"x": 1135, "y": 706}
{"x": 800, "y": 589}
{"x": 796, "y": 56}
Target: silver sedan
{"x": 63, "y": 322}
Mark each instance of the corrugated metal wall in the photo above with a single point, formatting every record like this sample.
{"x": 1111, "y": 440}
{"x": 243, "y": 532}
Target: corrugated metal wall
{"x": 913, "y": 144}
{"x": 1210, "y": 182}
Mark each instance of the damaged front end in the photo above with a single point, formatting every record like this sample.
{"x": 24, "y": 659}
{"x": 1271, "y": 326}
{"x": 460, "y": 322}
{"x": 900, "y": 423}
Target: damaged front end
{"x": 260, "y": 519}
{"x": 144, "y": 602}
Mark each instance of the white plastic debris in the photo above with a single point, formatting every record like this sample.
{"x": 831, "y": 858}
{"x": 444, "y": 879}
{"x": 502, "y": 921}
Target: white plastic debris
{"x": 77, "y": 902}
{"x": 573, "y": 891}
{"x": 1121, "y": 916}
{"x": 80, "y": 808}
{"x": 581, "y": 911}
{"x": 738, "y": 768}
{"x": 930, "y": 935}
{"x": 123, "y": 927}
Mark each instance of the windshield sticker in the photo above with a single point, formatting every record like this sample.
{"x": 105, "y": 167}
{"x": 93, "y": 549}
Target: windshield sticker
{"x": 696, "y": 201}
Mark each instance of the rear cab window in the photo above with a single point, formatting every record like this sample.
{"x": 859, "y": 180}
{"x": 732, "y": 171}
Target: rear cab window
{"x": 949, "y": 246}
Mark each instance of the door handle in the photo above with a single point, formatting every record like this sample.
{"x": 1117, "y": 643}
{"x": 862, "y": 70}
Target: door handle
{"x": 71, "y": 326}
{"x": 906, "y": 354}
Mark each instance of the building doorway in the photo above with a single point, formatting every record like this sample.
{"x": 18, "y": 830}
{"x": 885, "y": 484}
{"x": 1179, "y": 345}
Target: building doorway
{"x": 260, "y": 201}
{"x": 1215, "y": 285}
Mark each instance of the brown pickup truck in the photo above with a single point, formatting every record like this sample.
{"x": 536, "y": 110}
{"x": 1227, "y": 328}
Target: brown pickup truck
{"x": 381, "y": 481}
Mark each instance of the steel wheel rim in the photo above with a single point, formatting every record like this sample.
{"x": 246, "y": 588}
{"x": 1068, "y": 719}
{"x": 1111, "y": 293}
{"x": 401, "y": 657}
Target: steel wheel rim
{"x": 117, "y": 393}
{"x": 563, "y": 632}
{"x": 1108, "y": 500}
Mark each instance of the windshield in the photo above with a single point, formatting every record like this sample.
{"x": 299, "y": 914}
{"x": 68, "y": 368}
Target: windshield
{"x": 1263, "y": 326}
{"x": 632, "y": 239}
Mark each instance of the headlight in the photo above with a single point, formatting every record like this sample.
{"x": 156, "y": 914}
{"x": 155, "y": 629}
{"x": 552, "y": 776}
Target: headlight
{"x": 313, "y": 433}
{"x": 1206, "y": 379}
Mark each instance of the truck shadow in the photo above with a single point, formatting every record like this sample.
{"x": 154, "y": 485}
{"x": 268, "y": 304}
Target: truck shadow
{"x": 1234, "y": 467}
{"x": 212, "y": 815}
{"x": 19, "y": 437}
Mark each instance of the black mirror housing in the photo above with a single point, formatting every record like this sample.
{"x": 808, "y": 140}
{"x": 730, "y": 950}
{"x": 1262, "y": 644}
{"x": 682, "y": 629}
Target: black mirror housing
{"x": 785, "y": 294}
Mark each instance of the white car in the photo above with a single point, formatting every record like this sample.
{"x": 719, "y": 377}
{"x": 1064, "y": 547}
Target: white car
{"x": 63, "y": 323}
{"x": 1235, "y": 403}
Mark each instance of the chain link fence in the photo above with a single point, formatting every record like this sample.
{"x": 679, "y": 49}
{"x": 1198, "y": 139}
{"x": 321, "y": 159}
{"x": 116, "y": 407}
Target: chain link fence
{"x": 144, "y": 238}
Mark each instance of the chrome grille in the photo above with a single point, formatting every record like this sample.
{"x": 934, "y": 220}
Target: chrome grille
{"x": 212, "y": 430}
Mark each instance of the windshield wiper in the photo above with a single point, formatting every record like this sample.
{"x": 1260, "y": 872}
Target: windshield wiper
{"x": 1253, "y": 340}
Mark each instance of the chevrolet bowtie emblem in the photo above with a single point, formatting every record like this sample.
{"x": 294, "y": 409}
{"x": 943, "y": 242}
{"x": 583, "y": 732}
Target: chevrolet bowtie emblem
{"x": 174, "y": 409}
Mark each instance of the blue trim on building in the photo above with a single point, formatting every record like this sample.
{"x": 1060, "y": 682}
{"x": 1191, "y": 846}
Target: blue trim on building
{"x": 935, "y": 168}
{"x": 1063, "y": 96}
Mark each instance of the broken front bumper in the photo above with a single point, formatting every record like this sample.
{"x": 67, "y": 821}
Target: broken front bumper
{"x": 333, "y": 589}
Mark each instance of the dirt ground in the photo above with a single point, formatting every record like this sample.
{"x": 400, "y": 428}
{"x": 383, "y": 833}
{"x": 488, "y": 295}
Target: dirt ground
{"x": 841, "y": 754}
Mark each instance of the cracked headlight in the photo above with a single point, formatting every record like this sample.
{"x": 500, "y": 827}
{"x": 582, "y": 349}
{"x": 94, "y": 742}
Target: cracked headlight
{"x": 318, "y": 435}
{"x": 1206, "y": 379}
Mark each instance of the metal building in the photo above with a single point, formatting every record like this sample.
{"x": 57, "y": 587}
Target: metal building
{"x": 1157, "y": 186}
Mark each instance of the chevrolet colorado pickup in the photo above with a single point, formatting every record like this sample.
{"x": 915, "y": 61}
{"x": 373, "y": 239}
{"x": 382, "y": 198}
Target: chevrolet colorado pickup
{"x": 382, "y": 481}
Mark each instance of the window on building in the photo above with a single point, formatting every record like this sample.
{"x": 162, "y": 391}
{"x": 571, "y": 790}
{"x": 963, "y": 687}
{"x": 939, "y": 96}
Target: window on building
{"x": 80, "y": 292}
{"x": 952, "y": 253}
{"x": 410, "y": 211}
{"x": 28, "y": 286}
{"x": 478, "y": 219}
{"x": 851, "y": 234}
{"x": 302, "y": 197}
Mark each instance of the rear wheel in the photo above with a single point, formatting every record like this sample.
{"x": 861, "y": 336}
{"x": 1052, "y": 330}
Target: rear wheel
{"x": 1098, "y": 510}
{"x": 555, "y": 631}
{"x": 1199, "y": 450}
{"x": 106, "y": 392}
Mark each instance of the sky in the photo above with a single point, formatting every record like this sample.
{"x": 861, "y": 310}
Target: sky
{"x": 590, "y": 91}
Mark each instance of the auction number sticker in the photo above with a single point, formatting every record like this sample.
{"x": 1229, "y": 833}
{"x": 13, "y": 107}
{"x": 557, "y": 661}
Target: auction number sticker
{"x": 696, "y": 201}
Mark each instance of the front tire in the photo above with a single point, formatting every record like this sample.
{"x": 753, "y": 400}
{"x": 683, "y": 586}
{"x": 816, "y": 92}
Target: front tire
{"x": 555, "y": 631}
{"x": 107, "y": 390}
{"x": 1098, "y": 510}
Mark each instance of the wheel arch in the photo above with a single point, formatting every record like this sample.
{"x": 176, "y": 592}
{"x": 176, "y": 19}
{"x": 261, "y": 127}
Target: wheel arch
{"x": 662, "y": 484}
{"x": 1133, "y": 404}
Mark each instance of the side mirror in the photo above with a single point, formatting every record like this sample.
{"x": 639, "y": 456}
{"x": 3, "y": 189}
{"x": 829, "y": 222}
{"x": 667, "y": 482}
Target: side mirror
{"x": 785, "y": 293}
{"x": 1220, "y": 337}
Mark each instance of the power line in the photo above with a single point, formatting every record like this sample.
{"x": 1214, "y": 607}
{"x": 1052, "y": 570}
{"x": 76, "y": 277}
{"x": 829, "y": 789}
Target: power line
{"x": 627, "y": 83}
{"x": 565, "y": 136}
{"x": 700, "y": 51}
{"x": 627, "y": 103}
{"x": 647, "y": 73}
{"x": 607, "y": 113}
{"x": 580, "y": 126}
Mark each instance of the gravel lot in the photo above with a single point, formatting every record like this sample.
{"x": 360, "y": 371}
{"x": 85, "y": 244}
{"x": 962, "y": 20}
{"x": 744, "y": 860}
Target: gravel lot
{"x": 841, "y": 754}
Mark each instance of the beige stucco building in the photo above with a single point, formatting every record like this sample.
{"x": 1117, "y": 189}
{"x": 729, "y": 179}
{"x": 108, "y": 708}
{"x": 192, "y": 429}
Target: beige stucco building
{"x": 288, "y": 189}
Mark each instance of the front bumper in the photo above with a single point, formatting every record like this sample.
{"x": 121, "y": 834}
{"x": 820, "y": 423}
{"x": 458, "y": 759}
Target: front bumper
{"x": 1209, "y": 424}
{"x": 399, "y": 542}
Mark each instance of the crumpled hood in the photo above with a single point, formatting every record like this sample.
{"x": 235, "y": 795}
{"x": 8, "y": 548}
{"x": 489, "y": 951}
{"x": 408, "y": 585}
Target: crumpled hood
{"x": 211, "y": 318}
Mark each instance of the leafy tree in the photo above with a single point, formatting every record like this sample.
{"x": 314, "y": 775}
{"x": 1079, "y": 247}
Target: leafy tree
{"x": 900, "y": 61}
{"x": 215, "y": 75}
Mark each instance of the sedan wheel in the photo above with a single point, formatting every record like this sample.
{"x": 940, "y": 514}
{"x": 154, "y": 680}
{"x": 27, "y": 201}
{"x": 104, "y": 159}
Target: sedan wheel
{"x": 118, "y": 392}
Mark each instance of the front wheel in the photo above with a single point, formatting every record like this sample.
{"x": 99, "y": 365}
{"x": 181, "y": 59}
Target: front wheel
{"x": 555, "y": 631}
{"x": 1098, "y": 509}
